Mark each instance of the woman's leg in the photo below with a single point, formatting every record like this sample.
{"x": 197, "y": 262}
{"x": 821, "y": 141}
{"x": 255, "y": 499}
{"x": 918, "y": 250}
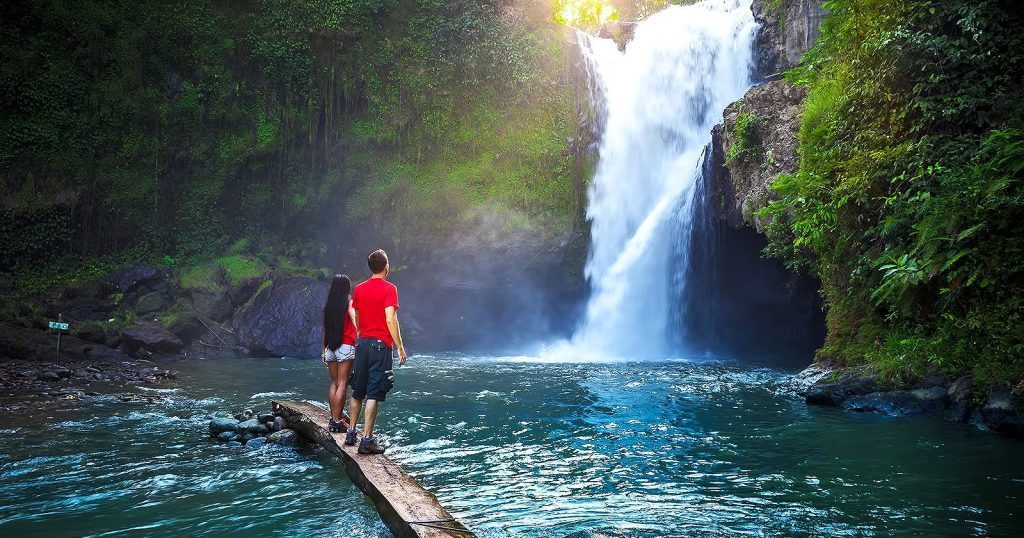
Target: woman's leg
{"x": 344, "y": 371}
{"x": 332, "y": 400}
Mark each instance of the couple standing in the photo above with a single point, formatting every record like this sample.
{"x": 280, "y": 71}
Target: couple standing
{"x": 365, "y": 362}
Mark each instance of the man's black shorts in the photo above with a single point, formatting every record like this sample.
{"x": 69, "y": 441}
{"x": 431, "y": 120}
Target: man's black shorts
{"x": 372, "y": 376}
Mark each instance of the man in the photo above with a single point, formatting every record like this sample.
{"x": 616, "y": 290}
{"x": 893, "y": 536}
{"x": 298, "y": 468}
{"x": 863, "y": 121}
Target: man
{"x": 376, "y": 305}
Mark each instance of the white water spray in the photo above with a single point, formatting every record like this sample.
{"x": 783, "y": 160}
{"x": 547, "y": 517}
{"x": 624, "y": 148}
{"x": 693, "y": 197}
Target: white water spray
{"x": 661, "y": 98}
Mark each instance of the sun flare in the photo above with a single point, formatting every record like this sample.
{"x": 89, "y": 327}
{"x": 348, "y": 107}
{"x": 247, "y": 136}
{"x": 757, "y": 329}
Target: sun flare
{"x": 585, "y": 14}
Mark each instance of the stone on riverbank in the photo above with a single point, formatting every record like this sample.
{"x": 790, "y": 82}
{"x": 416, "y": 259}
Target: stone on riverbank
{"x": 233, "y": 444}
{"x": 227, "y": 436}
{"x": 256, "y": 442}
{"x": 859, "y": 389}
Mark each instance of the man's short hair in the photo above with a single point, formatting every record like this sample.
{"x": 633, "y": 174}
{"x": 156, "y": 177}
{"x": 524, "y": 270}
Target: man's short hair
{"x": 377, "y": 261}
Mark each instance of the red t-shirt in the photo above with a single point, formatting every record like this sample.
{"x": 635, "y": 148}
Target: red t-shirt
{"x": 370, "y": 299}
{"x": 348, "y": 333}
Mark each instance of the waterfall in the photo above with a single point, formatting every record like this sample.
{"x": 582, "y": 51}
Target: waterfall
{"x": 659, "y": 100}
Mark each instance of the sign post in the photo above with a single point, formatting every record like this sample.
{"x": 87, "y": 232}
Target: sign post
{"x": 60, "y": 327}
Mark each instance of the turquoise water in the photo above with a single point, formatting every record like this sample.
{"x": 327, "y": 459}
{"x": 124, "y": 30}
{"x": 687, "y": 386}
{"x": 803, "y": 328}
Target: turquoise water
{"x": 514, "y": 447}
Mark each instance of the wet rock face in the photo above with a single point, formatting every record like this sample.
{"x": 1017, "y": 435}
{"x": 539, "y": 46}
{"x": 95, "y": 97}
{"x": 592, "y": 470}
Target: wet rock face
{"x": 788, "y": 29}
{"x": 755, "y": 143}
{"x": 284, "y": 319}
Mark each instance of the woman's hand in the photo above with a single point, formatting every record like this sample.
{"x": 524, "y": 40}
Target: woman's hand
{"x": 323, "y": 357}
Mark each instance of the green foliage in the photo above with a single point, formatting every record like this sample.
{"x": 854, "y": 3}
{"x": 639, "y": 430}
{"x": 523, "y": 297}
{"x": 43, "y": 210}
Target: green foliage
{"x": 206, "y": 276}
{"x": 910, "y": 186}
{"x": 171, "y": 129}
{"x": 239, "y": 268}
{"x": 745, "y": 140}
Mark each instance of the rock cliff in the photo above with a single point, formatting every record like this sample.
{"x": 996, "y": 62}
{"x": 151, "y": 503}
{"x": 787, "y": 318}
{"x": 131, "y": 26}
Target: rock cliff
{"x": 788, "y": 30}
{"x": 755, "y": 143}
{"x": 757, "y": 138}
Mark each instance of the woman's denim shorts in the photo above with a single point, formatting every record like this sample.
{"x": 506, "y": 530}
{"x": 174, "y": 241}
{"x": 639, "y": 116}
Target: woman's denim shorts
{"x": 342, "y": 354}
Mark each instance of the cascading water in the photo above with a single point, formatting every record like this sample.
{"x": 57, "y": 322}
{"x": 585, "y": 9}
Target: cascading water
{"x": 660, "y": 99}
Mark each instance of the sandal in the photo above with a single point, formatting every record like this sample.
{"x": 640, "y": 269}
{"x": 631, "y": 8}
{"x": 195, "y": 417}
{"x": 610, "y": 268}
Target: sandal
{"x": 335, "y": 426}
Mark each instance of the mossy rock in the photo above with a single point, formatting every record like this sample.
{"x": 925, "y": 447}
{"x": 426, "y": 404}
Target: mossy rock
{"x": 150, "y": 302}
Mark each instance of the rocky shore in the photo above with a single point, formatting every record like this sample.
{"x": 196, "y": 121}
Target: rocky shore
{"x": 251, "y": 430}
{"x": 859, "y": 388}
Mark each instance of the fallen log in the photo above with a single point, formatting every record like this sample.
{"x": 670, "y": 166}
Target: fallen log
{"x": 405, "y": 507}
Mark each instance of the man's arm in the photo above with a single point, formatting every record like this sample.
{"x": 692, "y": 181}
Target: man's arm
{"x": 391, "y": 314}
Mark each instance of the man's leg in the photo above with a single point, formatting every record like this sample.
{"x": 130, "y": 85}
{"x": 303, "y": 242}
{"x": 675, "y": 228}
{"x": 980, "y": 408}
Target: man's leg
{"x": 371, "y": 418}
{"x": 353, "y": 412}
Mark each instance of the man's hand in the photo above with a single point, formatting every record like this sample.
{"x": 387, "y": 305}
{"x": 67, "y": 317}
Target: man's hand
{"x": 402, "y": 356}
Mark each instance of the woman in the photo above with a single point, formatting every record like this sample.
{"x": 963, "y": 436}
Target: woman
{"x": 339, "y": 345}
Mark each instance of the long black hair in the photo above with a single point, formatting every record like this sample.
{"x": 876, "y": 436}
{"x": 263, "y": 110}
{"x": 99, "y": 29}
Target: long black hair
{"x": 336, "y": 310}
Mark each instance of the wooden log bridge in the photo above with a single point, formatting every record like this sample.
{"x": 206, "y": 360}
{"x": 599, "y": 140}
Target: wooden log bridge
{"x": 406, "y": 508}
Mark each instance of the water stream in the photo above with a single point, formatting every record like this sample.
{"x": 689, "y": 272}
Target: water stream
{"x": 659, "y": 100}
{"x": 513, "y": 446}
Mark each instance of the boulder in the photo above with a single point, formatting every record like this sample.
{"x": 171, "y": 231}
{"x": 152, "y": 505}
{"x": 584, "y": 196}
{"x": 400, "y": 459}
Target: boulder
{"x": 137, "y": 277}
{"x": 284, "y": 437}
{"x": 278, "y": 424}
{"x": 243, "y": 291}
{"x": 187, "y": 326}
{"x": 256, "y": 442}
{"x": 283, "y": 319}
{"x": 226, "y": 436}
{"x": 1004, "y": 412}
{"x": 959, "y": 399}
{"x": 840, "y": 386}
{"x": 152, "y": 337}
{"x": 265, "y": 416}
{"x": 221, "y": 425}
{"x": 214, "y": 304}
{"x": 150, "y": 302}
{"x": 94, "y": 331}
{"x": 250, "y": 426}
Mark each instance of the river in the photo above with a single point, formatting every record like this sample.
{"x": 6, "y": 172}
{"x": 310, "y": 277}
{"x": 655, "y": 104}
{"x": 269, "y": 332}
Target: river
{"x": 513, "y": 446}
